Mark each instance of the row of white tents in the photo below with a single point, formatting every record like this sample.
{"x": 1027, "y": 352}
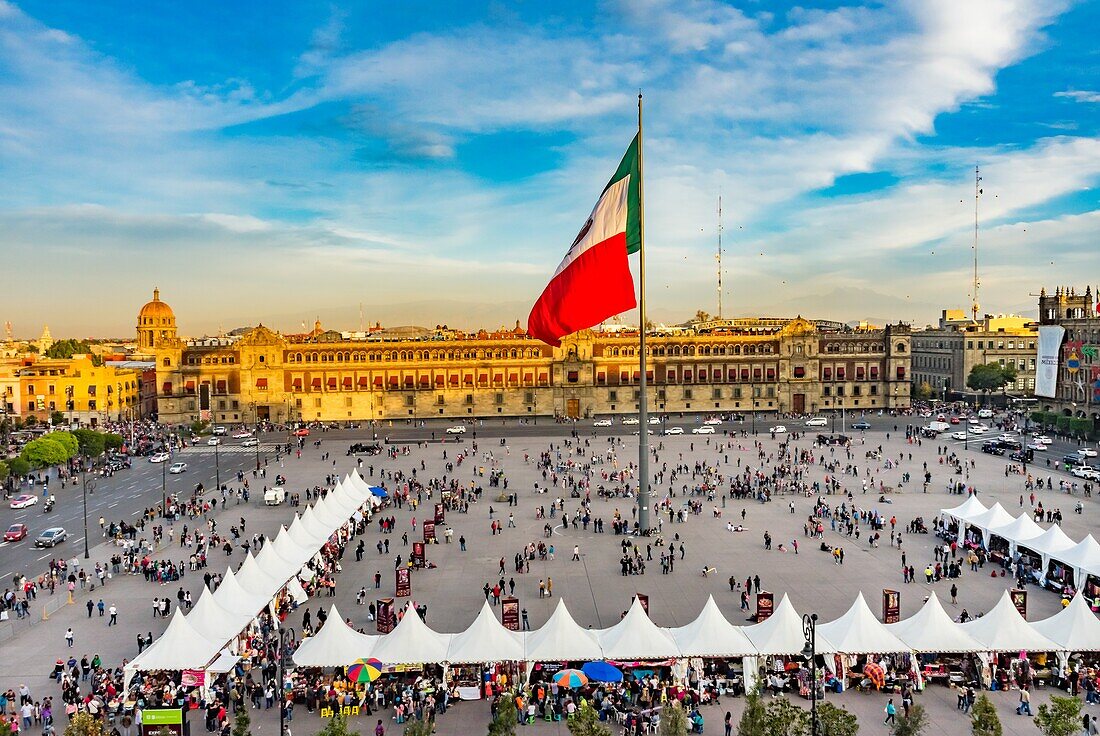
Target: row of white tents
{"x": 1051, "y": 544}
{"x": 208, "y": 632}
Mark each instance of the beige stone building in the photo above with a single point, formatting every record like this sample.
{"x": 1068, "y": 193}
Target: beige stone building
{"x": 1078, "y": 391}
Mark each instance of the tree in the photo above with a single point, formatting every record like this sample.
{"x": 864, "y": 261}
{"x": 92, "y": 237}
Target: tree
{"x": 586, "y": 722}
{"x": 5, "y": 727}
{"x": 989, "y": 377}
{"x": 754, "y": 718}
{"x": 30, "y": 421}
{"x": 337, "y": 726}
{"x": 57, "y": 417}
{"x": 836, "y": 721}
{"x": 68, "y": 348}
{"x": 91, "y": 443}
{"x": 18, "y": 467}
{"x": 701, "y": 316}
{"x": 5, "y": 471}
{"x": 84, "y": 724}
{"x": 72, "y": 446}
{"x": 673, "y": 720}
{"x": 44, "y": 453}
{"x": 784, "y": 717}
{"x": 113, "y": 441}
{"x": 922, "y": 391}
{"x": 983, "y": 718}
{"x": 242, "y": 724}
{"x": 912, "y": 724}
{"x": 504, "y": 720}
{"x": 1060, "y": 717}
{"x": 417, "y": 727}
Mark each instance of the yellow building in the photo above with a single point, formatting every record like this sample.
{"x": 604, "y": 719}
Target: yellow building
{"x": 156, "y": 321}
{"x": 75, "y": 386}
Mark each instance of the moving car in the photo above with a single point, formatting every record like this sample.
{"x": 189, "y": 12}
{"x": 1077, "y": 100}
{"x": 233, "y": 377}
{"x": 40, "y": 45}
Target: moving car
{"x": 778, "y": 429}
{"x": 953, "y": 420}
{"x": 1070, "y": 460}
{"x": 250, "y": 442}
{"x": 213, "y": 441}
{"x": 705, "y": 429}
{"x": 979, "y": 429}
{"x": 1037, "y": 446}
{"x": 674, "y": 430}
{"x": 712, "y": 420}
{"x": 958, "y": 435}
{"x": 23, "y": 500}
{"x": 1084, "y": 471}
{"x": 817, "y": 422}
{"x": 16, "y": 532}
{"x": 1044, "y": 440}
{"x": 177, "y": 468}
{"x": 985, "y": 413}
{"x": 301, "y": 432}
{"x": 654, "y": 420}
{"x": 630, "y": 421}
{"x": 993, "y": 448}
{"x": 861, "y": 425}
{"x": 160, "y": 457}
{"x": 1086, "y": 452}
{"x": 219, "y": 431}
{"x": 602, "y": 423}
{"x": 457, "y": 429}
{"x": 242, "y": 434}
{"x": 51, "y": 537}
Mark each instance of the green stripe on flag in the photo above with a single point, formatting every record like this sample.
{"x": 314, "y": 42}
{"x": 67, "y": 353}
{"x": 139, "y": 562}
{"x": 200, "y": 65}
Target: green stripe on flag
{"x": 629, "y": 167}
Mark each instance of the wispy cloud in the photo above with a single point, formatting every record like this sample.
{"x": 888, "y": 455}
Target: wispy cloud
{"x": 1079, "y": 95}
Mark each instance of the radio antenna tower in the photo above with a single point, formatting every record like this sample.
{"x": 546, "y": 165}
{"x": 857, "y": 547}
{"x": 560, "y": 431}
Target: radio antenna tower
{"x": 718, "y": 256}
{"x": 974, "y": 307}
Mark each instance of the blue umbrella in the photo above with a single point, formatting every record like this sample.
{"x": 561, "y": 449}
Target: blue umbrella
{"x": 380, "y": 492}
{"x": 602, "y": 672}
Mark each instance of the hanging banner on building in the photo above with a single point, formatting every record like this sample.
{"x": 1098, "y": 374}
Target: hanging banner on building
{"x": 384, "y": 622}
{"x": 764, "y": 605}
{"x": 440, "y": 513}
{"x": 1019, "y": 599}
{"x": 418, "y": 555}
{"x": 509, "y": 613}
{"x": 429, "y": 530}
{"x": 644, "y": 600}
{"x": 404, "y": 583}
{"x": 1046, "y": 362}
{"x": 891, "y": 606}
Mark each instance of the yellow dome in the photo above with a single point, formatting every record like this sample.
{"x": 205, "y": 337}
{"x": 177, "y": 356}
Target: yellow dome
{"x": 156, "y": 308}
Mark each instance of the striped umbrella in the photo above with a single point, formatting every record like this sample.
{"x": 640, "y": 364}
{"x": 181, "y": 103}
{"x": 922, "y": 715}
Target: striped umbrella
{"x": 364, "y": 670}
{"x": 570, "y": 678}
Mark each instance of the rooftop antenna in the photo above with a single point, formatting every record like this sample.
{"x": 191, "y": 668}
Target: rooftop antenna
{"x": 977, "y": 195}
{"x": 718, "y": 256}
{"x": 361, "y": 316}
{"x": 8, "y": 330}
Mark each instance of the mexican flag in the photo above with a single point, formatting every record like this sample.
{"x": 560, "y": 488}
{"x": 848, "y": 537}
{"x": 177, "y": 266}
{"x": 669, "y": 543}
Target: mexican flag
{"x": 593, "y": 281}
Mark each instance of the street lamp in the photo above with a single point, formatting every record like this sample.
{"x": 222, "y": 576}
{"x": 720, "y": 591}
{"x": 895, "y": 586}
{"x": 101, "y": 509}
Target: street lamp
{"x": 86, "y": 486}
{"x": 217, "y": 470}
{"x": 809, "y": 653}
{"x": 282, "y": 644}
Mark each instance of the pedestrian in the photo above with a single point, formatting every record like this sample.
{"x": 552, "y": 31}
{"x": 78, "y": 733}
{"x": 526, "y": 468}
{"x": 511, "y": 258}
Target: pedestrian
{"x": 1025, "y": 703}
{"x": 69, "y": 637}
{"x": 576, "y": 553}
{"x": 891, "y": 712}
{"x": 90, "y": 607}
{"x": 954, "y": 594}
{"x": 113, "y": 621}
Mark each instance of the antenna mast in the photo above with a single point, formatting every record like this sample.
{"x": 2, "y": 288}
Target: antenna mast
{"x": 977, "y": 194}
{"x": 719, "y": 256}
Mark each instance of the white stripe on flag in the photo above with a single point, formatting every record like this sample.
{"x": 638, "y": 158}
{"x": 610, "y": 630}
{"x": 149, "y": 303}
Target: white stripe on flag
{"x": 608, "y": 219}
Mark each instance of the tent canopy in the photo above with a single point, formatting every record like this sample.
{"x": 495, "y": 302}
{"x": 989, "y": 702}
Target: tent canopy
{"x": 486, "y": 640}
{"x": 966, "y": 510}
{"x": 859, "y": 632}
{"x": 993, "y": 517}
{"x": 1050, "y": 543}
{"x": 335, "y": 645}
{"x": 1085, "y": 555}
{"x": 1003, "y": 629}
{"x": 712, "y": 635}
{"x": 1075, "y": 628}
{"x": 234, "y": 598}
{"x": 637, "y": 637}
{"x": 1019, "y": 529}
{"x": 180, "y": 647}
{"x": 931, "y": 630}
{"x": 412, "y": 642}
{"x": 214, "y": 621}
{"x": 781, "y": 633}
{"x": 561, "y": 638}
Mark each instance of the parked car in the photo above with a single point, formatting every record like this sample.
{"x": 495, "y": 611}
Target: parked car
{"x": 178, "y": 468}
{"x": 160, "y": 457}
{"x": 958, "y": 435}
{"x": 602, "y": 423}
{"x": 654, "y": 420}
{"x": 993, "y": 448}
{"x": 250, "y": 442}
{"x": 1070, "y": 460}
{"x": 712, "y": 420}
{"x": 705, "y": 429}
{"x": 51, "y": 537}
{"x": 24, "y": 500}
{"x": 862, "y": 425}
{"x": 674, "y": 430}
{"x": 778, "y": 429}
{"x": 213, "y": 441}
{"x": 817, "y": 422}
{"x": 274, "y": 496}
{"x": 16, "y": 533}
{"x": 1037, "y": 446}
{"x": 630, "y": 421}
{"x": 219, "y": 431}
{"x": 457, "y": 429}
{"x": 1084, "y": 471}
{"x": 242, "y": 434}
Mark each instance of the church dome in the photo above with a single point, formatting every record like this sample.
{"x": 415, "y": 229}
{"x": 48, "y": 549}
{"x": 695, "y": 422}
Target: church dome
{"x": 155, "y": 309}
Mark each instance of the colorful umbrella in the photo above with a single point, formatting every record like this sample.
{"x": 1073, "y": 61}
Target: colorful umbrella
{"x": 602, "y": 672}
{"x": 570, "y": 678}
{"x": 364, "y": 670}
{"x": 875, "y": 674}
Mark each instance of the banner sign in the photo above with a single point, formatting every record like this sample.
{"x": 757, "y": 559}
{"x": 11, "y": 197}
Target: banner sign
{"x": 429, "y": 530}
{"x": 509, "y": 613}
{"x": 403, "y": 584}
{"x": 156, "y": 720}
{"x": 644, "y": 600}
{"x": 1046, "y": 363}
{"x": 440, "y": 513}
{"x": 384, "y": 622}
{"x": 1019, "y": 599}
{"x": 891, "y": 606}
{"x": 193, "y": 678}
{"x": 418, "y": 555}
{"x": 764, "y": 605}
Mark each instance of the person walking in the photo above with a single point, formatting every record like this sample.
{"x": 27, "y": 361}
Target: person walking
{"x": 1025, "y": 703}
{"x": 69, "y": 637}
{"x": 891, "y": 712}
{"x": 113, "y": 612}
{"x": 576, "y": 553}
{"x": 954, "y": 594}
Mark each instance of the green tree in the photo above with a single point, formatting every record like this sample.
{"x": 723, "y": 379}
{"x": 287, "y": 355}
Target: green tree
{"x": 44, "y": 453}
{"x": 91, "y": 443}
{"x": 18, "y": 467}
{"x": 701, "y": 316}
{"x": 113, "y": 441}
{"x": 5, "y": 471}
{"x": 242, "y": 724}
{"x": 674, "y": 721}
{"x": 57, "y": 417}
{"x": 84, "y": 724}
{"x": 784, "y": 717}
{"x": 30, "y": 421}
{"x": 836, "y": 721}
{"x": 68, "y": 348}
{"x": 504, "y": 720}
{"x": 922, "y": 391}
{"x": 1060, "y": 717}
{"x": 987, "y": 377}
{"x": 72, "y": 446}
{"x": 417, "y": 727}
{"x": 754, "y": 719}
{"x": 337, "y": 726}
{"x": 983, "y": 718}
{"x": 586, "y": 722}
{"x": 912, "y": 724}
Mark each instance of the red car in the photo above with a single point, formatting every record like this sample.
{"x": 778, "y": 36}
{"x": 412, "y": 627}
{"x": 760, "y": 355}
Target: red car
{"x": 303, "y": 432}
{"x": 16, "y": 532}
{"x": 954, "y": 420}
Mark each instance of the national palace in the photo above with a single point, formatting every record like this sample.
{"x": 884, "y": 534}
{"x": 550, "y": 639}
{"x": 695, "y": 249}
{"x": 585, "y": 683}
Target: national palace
{"x": 742, "y": 365}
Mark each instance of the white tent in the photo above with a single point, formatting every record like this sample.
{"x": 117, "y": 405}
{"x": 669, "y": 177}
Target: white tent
{"x": 180, "y": 647}
{"x": 253, "y": 578}
{"x": 486, "y": 640}
{"x": 214, "y": 621}
{"x": 966, "y": 510}
{"x": 1018, "y": 530}
{"x": 1003, "y": 629}
{"x": 275, "y": 565}
{"x": 859, "y": 632}
{"x": 330, "y": 515}
{"x": 712, "y": 635}
{"x": 335, "y": 645}
{"x": 637, "y": 637}
{"x": 303, "y": 537}
{"x": 294, "y": 553}
{"x": 931, "y": 630}
{"x": 412, "y": 642}
{"x": 781, "y": 633}
{"x": 231, "y": 596}
{"x": 1075, "y": 628}
{"x": 561, "y": 638}
{"x": 1084, "y": 558}
{"x": 1049, "y": 544}
{"x": 315, "y": 527}
{"x": 995, "y": 516}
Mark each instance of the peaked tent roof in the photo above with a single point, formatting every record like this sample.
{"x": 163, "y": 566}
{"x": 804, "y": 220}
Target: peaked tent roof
{"x": 1051, "y": 542}
{"x": 781, "y": 633}
{"x": 1085, "y": 555}
{"x": 180, "y": 647}
{"x": 859, "y": 632}
{"x": 253, "y": 578}
{"x": 931, "y": 630}
{"x": 562, "y": 638}
{"x": 637, "y": 637}
{"x": 1003, "y": 629}
{"x": 993, "y": 517}
{"x": 231, "y": 596}
{"x": 412, "y": 642}
{"x": 1019, "y": 529}
{"x": 486, "y": 640}
{"x": 335, "y": 645}
{"x": 302, "y": 536}
{"x": 712, "y": 635}
{"x": 1075, "y": 628}
{"x": 969, "y": 508}
{"x": 214, "y": 621}
{"x": 296, "y": 554}
{"x": 314, "y": 526}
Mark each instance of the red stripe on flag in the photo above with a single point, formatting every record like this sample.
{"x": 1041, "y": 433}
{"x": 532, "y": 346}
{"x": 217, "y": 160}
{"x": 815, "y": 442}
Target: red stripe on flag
{"x": 595, "y": 286}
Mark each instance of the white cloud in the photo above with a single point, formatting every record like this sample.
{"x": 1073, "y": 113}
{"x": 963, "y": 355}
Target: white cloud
{"x": 1080, "y": 95}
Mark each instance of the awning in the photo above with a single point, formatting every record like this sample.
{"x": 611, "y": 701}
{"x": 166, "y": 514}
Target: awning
{"x": 439, "y": 380}
{"x": 348, "y": 381}
{"x": 378, "y": 380}
{"x": 364, "y": 381}
{"x": 261, "y": 383}
{"x": 624, "y": 376}
{"x": 332, "y": 383}
{"x": 315, "y": 383}
{"x": 513, "y": 378}
{"x": 732, "y": 373}
{"x": 543, "y": 377}
{"x": 425, "y": 380}
{"x": 408, "y": 381}
{"x": 190, "y": 385}
{"x": 393, "y": 380}
{"x": 453, "y": 380}
{"x": 297, "y": 383}
{"x": 167, "y": 387}
{"x": 600, "y": 376}
{"x": 637, "y": 375}
{"x": 744, "y": 374}
{"x": 716, "y": 374}
{"x": 468, "y": 380}
{"x": 221, "y": 386}
{"x": 498, "y": 378}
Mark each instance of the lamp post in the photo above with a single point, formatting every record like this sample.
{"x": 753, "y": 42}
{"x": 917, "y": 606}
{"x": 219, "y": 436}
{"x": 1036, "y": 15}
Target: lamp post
{"x": 282, "y": 644}
{"x": 809, "y": 653}
{"x": 217, "y": 470}
{"x": 86, "y": 486}
{"x": 163, "y": 485}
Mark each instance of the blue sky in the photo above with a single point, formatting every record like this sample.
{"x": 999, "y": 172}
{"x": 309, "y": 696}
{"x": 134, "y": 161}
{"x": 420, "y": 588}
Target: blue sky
{"x": 432, "y": 161}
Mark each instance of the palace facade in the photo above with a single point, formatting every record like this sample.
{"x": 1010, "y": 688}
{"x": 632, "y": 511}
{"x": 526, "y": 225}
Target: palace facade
{"x": 771, "y": 366}
{"x": 1078, "y": 388}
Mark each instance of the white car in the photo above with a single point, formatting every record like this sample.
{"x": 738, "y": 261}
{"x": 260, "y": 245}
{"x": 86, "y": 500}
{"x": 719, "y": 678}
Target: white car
{"x": 630, "y": 421}
{"x": 654, "y": 420}
{"x": 817, "y": 422}
{"x": 457, "y": 429}
{"x": 1086, "y": 452}
{"x": 1084, "y": 471}
{"x": 958, "y": 435}
{"x": 160, "y": 457}
{"x": 1044, "y": 440}
{"x": 178, "y": 468}
{"x": 674, "y": 430}
{"x": 242, "y": 434}
{"x": 648, "y": 431}
{"x": 24, "y": 500}
{"x": 973, "y": 420}
{"x": 712, "y": 421}
{"x": 220, "y": 430}
{"x": 705, "y": 429}
{"x": 780, "y": 429}
{"x": 214, "y": 441}
{"x": 250, "y": 442}
{"x": 979, "y": 429}
{"x": 602, "y": 423}
{"x": 1036, "y": 447}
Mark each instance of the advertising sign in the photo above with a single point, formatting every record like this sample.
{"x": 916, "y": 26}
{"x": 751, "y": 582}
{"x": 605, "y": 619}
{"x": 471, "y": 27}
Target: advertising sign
{"x": 418, "y": 555}
{"x": 644, "y": 600}
{"x": 1046, "y": 362}
{"x": 440, "y": 513}
{"x": 404, "y": 583}
{"x": 193, "y": 678}
{"x": 891, "y": 606}
{"x": 429, "y": 530}
{"x": 1019, "y": 599}
{"x": 154, "y": 720}
{"x": 765, "y": 604}
{"x": 384, "y": 620}
{"x": 509, "y": 613}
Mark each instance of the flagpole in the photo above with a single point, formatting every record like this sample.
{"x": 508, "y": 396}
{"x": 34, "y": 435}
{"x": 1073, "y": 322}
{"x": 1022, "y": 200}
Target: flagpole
{"x": 643, "y": 403}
